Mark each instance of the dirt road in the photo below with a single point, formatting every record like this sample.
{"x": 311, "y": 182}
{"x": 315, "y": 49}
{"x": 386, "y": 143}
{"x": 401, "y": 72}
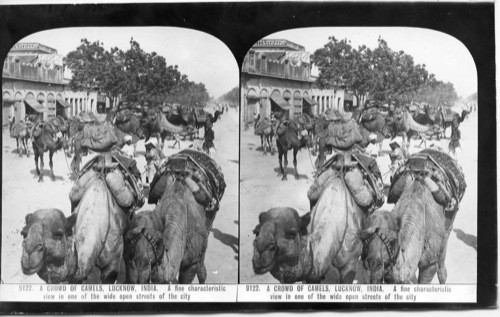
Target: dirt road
{"x": 261, "y": 188}
{"x": 22, "y": 194}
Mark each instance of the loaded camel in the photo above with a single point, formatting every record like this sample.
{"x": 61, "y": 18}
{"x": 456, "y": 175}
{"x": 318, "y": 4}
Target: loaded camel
{"x": 266, "y": 130}
{"x": 290, "y": 137}
{"x": 45, "y": 139}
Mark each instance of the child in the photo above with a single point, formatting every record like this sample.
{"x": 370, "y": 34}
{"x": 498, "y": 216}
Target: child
{"x": 397, "y": 158}
{"x": 177, "y": 141}
{"x": 153, "y": 155}
{"x": 209, "y": 140}
{"x": 454, "y": 140}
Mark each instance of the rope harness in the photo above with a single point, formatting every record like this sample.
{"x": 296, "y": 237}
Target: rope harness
{"x": 153, "y": 263}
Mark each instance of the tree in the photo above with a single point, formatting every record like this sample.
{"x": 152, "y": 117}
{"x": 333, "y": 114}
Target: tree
{"x": 231, "y": 96}
{"x": 382, "y": 73}
{"x": 148, "y": 77}
{"x": 87, "y": 63}
{"x": 437, "y": 93}
{"x": 342, "y": 65}
{"x": 134, "y": 75}
{"x": 397, "y": 78}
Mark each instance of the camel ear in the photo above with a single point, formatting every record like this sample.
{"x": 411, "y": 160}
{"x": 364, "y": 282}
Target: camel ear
{"x": 28, "y": 218}
{"x": 262, "y": 217}
{"x": 70, "y": 223}
{"x": 256, "y": 231}
{"x": 304, "y": 222}
{"x": 365, "y": 234}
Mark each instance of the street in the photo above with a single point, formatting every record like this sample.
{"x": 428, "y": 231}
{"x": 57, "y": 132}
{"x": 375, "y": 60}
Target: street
{"x": 261, "y": 188}
{"x": 22, "y": 194}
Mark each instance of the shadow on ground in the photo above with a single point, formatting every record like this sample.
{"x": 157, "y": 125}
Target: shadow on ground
{"x": 46, "y": 174}
{"x": 466, "y": 238}
{"x": 290, "y": 173}
{"x": 227, "y": 239}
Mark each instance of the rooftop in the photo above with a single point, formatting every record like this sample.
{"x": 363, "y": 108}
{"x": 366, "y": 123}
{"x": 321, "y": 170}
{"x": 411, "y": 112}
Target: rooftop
{"x": 32, "y": 47}
{"x": 277, "y": 44}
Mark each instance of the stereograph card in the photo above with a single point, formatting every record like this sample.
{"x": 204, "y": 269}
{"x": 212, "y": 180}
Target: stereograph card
{"x": 251, "y": 157}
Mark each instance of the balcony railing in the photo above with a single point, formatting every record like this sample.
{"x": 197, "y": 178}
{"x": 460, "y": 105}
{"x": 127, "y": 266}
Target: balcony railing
{"x": 276, "y": 69}
{"x": 19, "y": 70}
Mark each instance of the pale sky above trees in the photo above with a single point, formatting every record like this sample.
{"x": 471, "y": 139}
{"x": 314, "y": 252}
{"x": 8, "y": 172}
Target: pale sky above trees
{"x": 199, "y": 55}
{"x": 444, "y": 56}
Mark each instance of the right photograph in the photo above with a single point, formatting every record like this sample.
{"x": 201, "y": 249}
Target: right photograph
{"x": 358, "y": 158}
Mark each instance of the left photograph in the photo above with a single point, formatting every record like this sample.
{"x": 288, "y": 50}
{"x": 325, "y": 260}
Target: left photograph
{"x": 120, "y": 158}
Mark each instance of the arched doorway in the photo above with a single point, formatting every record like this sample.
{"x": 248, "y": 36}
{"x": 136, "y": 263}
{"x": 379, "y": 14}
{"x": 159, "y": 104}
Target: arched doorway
{"x": 297, "y": 103}
{"x": 51, "y": 106}
{"x": 265, "y": 104}
{"x": 252, "y": 106}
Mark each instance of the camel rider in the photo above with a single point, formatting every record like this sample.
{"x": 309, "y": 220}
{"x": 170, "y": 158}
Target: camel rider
{"x": 397, "y": 157}
{"x": 12, "y": 120}
{"x": 128, "y": 148}
{"x": 372, "y": 148}
{"x": 256, "y": 118}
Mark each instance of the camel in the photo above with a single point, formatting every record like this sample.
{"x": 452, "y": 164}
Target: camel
{"x": 48, "y": 246}
{"x": 155, "y": 123}
{"x": 185, "y": 233}
{"x": 98, "y": 232}
{"x": 379, "y": 245}
{"x": 362, "y": 138}
{"x": 403, "y": 124}
{"x": 422, "y": 236}
{"x": 431, "y": 117}
{"x": 266, "y": 130}
{"x": 21, "y": 132}
{"x": 289, "y": 140}
{"x": 456, "y": 118}
{"x": 50, "y": 141}
{"x": 191, "y": 118}
{"x": 303, "y": 248}
{"x": 144, "y": 249}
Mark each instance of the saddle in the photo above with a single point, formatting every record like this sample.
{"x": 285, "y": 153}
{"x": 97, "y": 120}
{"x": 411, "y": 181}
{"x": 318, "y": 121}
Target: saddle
{"x": 362, "y": 176}
{"x": 441, "y": 174}
{"x": 194, "y": 165}
{"x": 109, "y": 163}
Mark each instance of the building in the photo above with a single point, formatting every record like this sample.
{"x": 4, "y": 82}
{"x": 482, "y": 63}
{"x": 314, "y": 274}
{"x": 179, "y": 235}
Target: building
{"x": 34, "y": 82}
{"x": 277, "y": 75}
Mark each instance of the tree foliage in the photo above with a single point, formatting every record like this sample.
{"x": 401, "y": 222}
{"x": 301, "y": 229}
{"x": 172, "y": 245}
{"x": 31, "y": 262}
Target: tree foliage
{"x": 437, "y": 93}
{"x": 382, "y": 73}
{"x": 231, "y": 96}
{"x": 134, "y": 75}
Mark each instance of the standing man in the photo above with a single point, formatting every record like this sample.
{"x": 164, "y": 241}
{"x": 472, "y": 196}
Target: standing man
{"x": 372, "y": 148}
{"x": 128, "y": 148}
{"x": 397, "y": 157}
{"x": 256, "y": 118}
{"x": 209, "y": 140}
{"x": 454, "y": 139}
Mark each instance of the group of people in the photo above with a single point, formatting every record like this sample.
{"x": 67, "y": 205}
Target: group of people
{"x": 154, "y": 152}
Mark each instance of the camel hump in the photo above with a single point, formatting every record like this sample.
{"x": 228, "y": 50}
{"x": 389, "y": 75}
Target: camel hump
{"x": 439, "y": 172}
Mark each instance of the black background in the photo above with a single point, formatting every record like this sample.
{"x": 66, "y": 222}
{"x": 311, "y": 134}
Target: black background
{"x": 239, "y": 26}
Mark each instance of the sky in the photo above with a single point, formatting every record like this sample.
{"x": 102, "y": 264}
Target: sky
{"x": 444, "y": 56}
{"x": 199, "y": 55}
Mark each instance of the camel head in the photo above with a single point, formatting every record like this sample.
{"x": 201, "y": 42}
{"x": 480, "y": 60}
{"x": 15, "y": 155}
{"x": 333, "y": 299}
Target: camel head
{"x": 143, "y": 247}
{"x": 413, "y": 207}
{"x": 380, "y": 244}
{"x": 277, "y": 238}
{"x": 152, "y": 117}
{"x": 44, "y": 241}
{"x": 432, "y": 112}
